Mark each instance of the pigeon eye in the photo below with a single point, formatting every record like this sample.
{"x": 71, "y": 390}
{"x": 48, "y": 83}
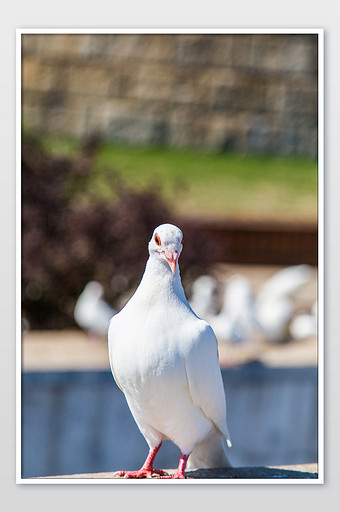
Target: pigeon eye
{"x": 157, "y": 240}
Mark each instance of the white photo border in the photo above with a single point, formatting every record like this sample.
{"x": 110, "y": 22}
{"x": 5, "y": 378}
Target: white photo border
{"x": 321, "y": 158}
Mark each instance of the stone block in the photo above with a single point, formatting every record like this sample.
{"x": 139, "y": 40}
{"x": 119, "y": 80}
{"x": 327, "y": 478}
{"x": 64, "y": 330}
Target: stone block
{"x": 55, "y": 45}
{"x": 194, "y": 49}
{"x": 285, "y": 54}
{"x": 303, "y": 101}
{"x": 29, "y": 44}
{"x": 41, "y": 77}
{"x": 137, "y": 129}
{"x": 125, "y": 47}
{"x": 207, "y": 49}
{"x": 92, "y": 46}
{"x": 225, "y": 98}
{"x": 158, "y": 47}
{"x": 301, "y": 56}
{"x": 244, "y": 97}
{"x": 257, "y": 135}
{"x": 243, "y": 51}
{"x": 89, "y": 80}
{"x": 33, "y": 44}
{"x": 29, "y": 73}
{"x": 149, "y": 88}
{"x": 275, "y": 97}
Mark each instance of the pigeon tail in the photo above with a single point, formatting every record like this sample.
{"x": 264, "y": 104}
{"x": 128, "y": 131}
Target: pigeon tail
{"x": 210, "y": 453}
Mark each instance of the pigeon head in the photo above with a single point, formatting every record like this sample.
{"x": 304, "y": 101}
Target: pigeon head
{"x": 94, "y": 289}
{"x": 166, "y": 245}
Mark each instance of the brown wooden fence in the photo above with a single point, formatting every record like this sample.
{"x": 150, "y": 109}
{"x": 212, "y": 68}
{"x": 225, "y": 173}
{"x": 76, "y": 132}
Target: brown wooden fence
{"x": 271, "y": 243}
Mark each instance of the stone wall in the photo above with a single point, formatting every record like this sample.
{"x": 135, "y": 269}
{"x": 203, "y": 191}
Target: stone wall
{"x": 245, "y": 92}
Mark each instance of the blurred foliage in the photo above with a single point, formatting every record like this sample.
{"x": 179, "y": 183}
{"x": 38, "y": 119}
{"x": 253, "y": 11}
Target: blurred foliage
{"x": 213, "y": 184}
{"x": 68, "y": 238}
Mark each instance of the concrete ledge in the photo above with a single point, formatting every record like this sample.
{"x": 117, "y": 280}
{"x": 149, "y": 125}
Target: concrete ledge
{"x": 301, "y": 471}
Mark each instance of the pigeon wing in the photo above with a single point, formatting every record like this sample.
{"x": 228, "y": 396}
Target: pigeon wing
{"x": 205, "y": 379}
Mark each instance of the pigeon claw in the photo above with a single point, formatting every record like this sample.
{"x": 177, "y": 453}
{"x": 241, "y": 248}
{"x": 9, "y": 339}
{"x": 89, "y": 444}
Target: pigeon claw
{"x": 142, "y": 473}
{"x": 181, "y": 467}
{"x": 175, "y": 475}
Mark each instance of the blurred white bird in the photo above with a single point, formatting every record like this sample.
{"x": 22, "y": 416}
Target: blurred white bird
{"x": 203, "y": 296}
{"x": 274, "y": 305}
{"x": 164, "y": 358}
{"x": 273, "y": 317}
{"x": 236, "y": 320}
{"x": 285, "y": 282}
{"x": 91, "y": 312}
{"x": 304, "y": 325}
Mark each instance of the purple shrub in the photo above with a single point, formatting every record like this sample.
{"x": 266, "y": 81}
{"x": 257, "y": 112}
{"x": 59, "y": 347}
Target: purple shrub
{"x": 65, "y": 244}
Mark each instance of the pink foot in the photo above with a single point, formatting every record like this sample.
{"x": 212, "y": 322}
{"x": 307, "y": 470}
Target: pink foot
{"x": 176, "y": 475}
{"x": 181, "y": 467}
{"x": 147, "y": 470}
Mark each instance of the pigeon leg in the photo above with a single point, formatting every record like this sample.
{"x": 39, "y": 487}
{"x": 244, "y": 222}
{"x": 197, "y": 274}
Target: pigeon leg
{"x": 147, "y": 470}
{"x": 181, "y": 467}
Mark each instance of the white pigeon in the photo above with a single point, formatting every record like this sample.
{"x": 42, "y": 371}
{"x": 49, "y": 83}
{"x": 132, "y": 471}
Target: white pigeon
{"x": 165, "y": 360}
{"x": 285, "y": 282}
{"x": 235, "y": 322}
{"x": 305, "y": 325}
{"x": 91, "y": 312}
{"x": 273, "y": 317}
{"x": 203, "y": 297}
{"x": 274, "y": 305}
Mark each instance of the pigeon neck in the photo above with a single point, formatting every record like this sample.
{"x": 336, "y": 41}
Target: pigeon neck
{"x": 162, "y": 269}
{"x": 159, "y": 278}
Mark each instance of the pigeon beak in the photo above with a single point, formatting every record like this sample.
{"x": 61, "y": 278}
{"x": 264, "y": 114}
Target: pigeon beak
{"x": 172, "y": 258}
